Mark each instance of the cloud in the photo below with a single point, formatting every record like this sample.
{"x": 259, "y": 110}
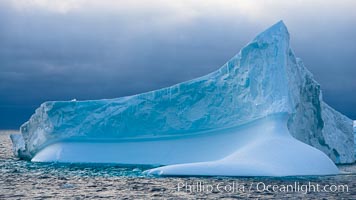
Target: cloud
{"x": 60, "y": 50}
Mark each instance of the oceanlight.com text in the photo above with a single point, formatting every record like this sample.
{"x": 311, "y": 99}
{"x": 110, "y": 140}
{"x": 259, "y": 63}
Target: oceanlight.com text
{"x": 240, "y": 187}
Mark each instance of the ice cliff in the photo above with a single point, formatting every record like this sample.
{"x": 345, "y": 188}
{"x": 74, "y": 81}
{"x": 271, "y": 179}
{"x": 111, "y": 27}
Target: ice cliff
{"x": 265, "y": 78}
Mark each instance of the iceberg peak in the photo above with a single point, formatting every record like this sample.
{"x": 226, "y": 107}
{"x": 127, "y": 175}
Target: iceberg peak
{"x": 276, "y": 33}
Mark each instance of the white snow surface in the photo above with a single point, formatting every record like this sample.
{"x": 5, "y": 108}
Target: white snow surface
{"x": 263, "y": 79}
{"x": 273, "y": 152}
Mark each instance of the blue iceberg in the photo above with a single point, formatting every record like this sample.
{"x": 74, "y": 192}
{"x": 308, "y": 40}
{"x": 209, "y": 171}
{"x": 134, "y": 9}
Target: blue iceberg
{"x": 260, "y": 114}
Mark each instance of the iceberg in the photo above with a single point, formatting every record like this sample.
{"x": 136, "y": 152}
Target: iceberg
{"x": 260, "y": 114}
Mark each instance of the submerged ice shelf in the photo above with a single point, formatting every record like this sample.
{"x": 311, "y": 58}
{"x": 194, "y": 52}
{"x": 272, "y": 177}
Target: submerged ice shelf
{"x": 199, "y": 127}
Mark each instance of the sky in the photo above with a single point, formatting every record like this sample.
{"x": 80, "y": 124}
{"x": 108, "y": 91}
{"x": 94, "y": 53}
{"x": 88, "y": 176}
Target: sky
{"x": 86, "y": 49}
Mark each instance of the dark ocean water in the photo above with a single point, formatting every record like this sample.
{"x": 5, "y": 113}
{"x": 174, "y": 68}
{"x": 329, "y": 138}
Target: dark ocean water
{"x": 25, "y": 180}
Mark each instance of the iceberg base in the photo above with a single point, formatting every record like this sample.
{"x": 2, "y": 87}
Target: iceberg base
{"x": 261, "y": 148}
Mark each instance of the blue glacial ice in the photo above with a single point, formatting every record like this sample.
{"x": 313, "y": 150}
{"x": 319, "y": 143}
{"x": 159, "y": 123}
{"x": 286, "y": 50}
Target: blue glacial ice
{"x": 355, "y": 136}
{"x": 261, "y": 113}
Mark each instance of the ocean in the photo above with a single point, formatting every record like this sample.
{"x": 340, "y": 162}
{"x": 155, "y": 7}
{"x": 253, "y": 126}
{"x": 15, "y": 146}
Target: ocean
{"x": 21, "y": 179}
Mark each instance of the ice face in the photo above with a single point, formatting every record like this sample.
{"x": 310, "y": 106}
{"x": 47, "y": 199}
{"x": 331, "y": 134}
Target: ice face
{"x": 355, "y": 136}
{"x": 263, "y": 79}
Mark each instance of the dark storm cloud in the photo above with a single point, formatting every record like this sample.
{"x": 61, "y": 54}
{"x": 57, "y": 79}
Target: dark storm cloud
{"x": 57, "y": 51}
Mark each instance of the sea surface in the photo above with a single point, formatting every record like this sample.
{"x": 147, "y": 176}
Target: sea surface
{"x": 21, "y": 179}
